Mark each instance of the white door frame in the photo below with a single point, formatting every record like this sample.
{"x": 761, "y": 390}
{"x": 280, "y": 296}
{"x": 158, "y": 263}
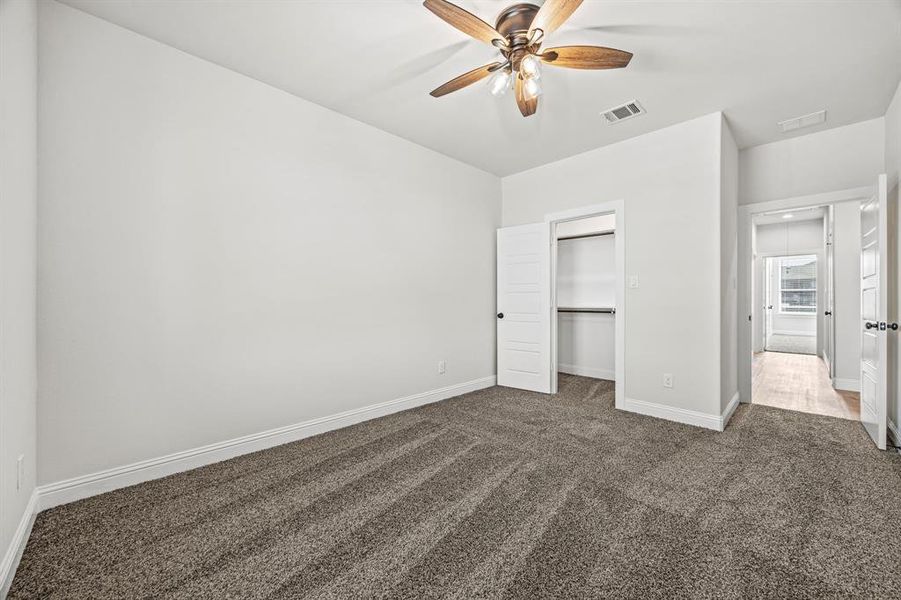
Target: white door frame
{"x": 746, "y": 215}
{"x": 828, "y": 342}
{"x": 616, "y": 207}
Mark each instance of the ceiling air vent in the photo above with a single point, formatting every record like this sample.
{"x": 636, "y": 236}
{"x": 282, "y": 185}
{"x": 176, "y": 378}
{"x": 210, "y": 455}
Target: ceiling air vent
{"x": 621, "y": 113}
{"x": 805, "y": 121}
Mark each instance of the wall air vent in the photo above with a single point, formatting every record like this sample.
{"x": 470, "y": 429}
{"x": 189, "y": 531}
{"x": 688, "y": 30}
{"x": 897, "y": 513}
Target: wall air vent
{"x": 801, "y": 122}
{"x": 621, "y": 113}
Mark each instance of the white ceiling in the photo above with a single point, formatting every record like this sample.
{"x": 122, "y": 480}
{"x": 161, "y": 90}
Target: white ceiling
{"x": 376, "y": 60}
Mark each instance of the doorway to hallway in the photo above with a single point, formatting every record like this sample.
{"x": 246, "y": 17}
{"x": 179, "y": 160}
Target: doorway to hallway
{"x": 794, "y": 360}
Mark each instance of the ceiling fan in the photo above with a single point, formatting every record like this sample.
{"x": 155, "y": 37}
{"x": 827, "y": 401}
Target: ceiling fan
{"x": 518, "y": 34}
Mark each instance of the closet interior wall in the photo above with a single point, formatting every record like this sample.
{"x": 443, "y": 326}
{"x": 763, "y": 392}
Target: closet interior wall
{"x": 586, "y": 297}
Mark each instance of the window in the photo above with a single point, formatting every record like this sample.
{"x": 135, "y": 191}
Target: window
{"x": 798, "y": 285}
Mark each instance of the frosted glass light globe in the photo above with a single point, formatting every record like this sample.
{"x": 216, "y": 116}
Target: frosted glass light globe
{"x": 530, "y": 67}
{"x": 499, "y": 83}
{"x": 531, "y": 88}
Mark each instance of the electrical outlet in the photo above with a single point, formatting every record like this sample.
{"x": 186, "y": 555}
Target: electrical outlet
{"x": 633, "y": 282}
{"x": 667, "y": 380}
{"x": 442, "y": 367}
{"x": 20, "y": 471}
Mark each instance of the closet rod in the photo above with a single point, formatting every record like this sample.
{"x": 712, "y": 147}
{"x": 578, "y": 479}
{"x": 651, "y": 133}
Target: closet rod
{"x": 585, "y": 235}
{"x": 586, "y": 310}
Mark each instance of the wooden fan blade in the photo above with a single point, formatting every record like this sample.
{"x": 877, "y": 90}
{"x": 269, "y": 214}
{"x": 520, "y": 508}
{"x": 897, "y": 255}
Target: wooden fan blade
{"x": 586, "y": 57}
{"x": 465, "y": 79}
{"x": 463, "y": 20}
{"x": 552, "y": 14}
{"x": 527, "y": 106}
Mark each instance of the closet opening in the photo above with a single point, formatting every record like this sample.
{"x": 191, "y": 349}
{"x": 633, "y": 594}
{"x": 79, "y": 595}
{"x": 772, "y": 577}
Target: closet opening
{"x": 586, "y": 320}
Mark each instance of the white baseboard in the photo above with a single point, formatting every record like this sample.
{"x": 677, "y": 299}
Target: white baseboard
{"x": 609, "y": 374}
{"x": 77, "y": 488}
{"x": 17, "y": 545}
{"x": 672, "y": 413}
{"x": 796, "y": 333}
{"x": 684, "y": 415}
{"x": 730, "y": 409}
{"x": 848, "y": 385}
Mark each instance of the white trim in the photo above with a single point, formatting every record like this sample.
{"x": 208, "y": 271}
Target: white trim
{"x": 84, "y": 486}
{"x": 730, "y": 410}
{"x": 848, "y": 385}
{"x": 672, "y": 413}
{"x": 796, "y": 333}
{"x": 810, "y": 200}
{"x": 17, "y": 544}
{"x": 894, "y": 432}
{"x": 618, "y": 208}
{"x": 809, "y": 252}
{"x": 684, "y": 415}
{"x": 608, "y": 374}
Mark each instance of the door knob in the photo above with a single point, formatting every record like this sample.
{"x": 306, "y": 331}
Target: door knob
{"x": 893, "y": 326}
{"x": 870, "y": 325}
{"x": 770, "y": 307}
{"x": 828, "y": 313}
{"x": 500, "y": 315}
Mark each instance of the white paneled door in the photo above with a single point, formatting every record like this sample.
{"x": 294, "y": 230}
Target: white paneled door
{"x": 874, "y": 265}
{"x": 523, "y": 307}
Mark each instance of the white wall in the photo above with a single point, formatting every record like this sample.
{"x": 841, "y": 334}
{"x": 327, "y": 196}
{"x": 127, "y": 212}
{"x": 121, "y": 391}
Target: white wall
{"x": 586, "y": 277}
{"x": 790, "y": 237}
{"x": 586, "y": 345}
{"x": 669, "y": 181}
{"x": 218, "y": 257}
{"x": 846, "y": 302}
{"x": 893, "y": 169}
{"x": 834, "y": 159}
{"x": 18, "y": 202}
{"x": 729, "y": 182}
{"x": 586, "y": 272}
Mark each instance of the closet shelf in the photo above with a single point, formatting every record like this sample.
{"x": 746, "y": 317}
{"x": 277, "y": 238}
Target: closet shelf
{"x": 585, "y": 309}
{"x": 585, "y": 235}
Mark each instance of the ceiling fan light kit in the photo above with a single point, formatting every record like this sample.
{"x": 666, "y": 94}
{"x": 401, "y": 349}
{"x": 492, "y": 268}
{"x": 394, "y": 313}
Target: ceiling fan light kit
{"x": 518, "y": 34}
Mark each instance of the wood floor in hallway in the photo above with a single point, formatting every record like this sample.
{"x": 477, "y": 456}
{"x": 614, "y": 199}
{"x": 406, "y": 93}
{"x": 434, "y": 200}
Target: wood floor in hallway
{"x": 800, "y": 382}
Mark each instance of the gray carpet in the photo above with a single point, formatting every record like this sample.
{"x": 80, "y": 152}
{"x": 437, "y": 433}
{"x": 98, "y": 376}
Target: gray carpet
{"x": 793, "y": 344}
{"x": 500, "y": 493}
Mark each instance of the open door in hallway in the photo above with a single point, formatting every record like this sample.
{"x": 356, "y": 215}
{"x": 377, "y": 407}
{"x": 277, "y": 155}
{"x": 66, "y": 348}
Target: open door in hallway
{"x": 523, "y": 307}
{"x": 874, "y": 277}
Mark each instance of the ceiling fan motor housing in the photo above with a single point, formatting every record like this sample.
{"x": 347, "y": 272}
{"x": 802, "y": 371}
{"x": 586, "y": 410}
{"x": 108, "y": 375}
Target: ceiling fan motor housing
{"x": 514, "y": 21}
